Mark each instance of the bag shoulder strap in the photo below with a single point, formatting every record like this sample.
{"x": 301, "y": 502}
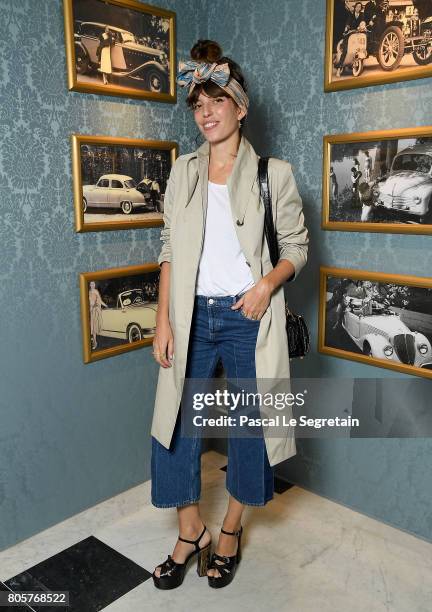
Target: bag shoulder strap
{"x": 269, "y": 229}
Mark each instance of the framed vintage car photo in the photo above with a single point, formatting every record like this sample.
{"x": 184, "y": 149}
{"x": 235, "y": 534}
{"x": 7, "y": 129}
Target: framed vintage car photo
{"x": 384, "y": 320}
{"x": 119, "y": 183}
{"x": 118, "y": 309}
{"x": 377, "y": 41}
{"x": 378, "y": 181}
{"x": 120, "y": 48}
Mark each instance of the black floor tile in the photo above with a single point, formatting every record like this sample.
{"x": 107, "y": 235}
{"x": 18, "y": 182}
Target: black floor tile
{"x": 94, "y": 574}
{"x": 280, "y": 486}
{"x": 24, "y": 608}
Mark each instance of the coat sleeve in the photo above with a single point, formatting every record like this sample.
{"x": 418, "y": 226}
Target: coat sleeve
{"x": 291, "y": 233}
{"x": 165, "y": 254}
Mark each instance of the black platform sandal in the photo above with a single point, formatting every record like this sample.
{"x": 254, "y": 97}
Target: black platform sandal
{"x": 228, "y": 566}
{"x": 173, "y": 573}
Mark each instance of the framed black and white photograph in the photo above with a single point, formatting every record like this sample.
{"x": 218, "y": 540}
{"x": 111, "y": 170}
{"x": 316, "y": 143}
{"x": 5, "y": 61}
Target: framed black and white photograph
{"x": 119, "y": 183}
{"x": 121, "y": 48}
{"x": 380, "y": 319}
{"x": 377, "y": 41}
{"x": 118, "y": 309}
{"x": 378, "y": 181}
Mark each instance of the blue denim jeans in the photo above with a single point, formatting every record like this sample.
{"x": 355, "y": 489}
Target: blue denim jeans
{"x": 216, "y": 331}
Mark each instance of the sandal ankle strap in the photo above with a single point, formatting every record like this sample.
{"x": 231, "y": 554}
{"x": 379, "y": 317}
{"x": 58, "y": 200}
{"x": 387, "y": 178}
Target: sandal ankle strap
{"x": 194, "y": 541}
{"x": 234, "y": 533}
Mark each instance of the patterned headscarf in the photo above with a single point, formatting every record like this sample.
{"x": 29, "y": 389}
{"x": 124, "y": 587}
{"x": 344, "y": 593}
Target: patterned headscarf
{"x": 192, "y": 73}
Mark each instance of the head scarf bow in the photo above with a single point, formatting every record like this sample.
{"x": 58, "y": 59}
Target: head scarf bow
{"x": 192, "y": 73}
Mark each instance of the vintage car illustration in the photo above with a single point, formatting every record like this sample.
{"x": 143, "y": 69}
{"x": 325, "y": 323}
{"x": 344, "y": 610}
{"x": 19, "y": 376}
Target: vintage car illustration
{"x": 132, "y": 319}
{"x": 117, "y": 191}
{"x": 404, "y": 33}
{"x": 129, "y": 57}
{"x": 379, "y": 332}
{"x": 408, "y": 186}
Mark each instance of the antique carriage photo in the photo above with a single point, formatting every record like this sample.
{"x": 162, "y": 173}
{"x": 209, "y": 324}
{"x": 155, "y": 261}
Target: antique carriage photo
{"x": 378, "y": 181}
{"x": 119, "y": 183}
{"x": 377, "y": 41}
{"x": 120, "y": 47}
{"x": 118, "y": 309}
{"x": 380, "y": 319}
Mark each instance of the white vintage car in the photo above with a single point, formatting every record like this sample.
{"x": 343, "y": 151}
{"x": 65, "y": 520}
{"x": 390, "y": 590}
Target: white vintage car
{"x": 379, "y": 332}
{"x": 408, "y": 186}
{"x": 115, "y": 191}
{"x": 130, "y": 58}
{"x": 132, "y": 319}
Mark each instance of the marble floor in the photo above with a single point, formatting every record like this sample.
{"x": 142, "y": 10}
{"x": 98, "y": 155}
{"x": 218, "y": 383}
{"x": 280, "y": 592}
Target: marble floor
{"x": 301, "y": 553}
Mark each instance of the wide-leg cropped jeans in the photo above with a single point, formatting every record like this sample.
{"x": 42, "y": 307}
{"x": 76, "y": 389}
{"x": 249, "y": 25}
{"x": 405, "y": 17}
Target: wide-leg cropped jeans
{"x": 216, "y": 331}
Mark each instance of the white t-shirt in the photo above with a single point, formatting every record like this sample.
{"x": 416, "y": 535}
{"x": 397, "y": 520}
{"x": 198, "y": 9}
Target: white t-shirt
{"x": 222, "y": 268}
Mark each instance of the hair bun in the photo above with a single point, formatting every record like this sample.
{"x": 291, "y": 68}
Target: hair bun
{"x": 206, "y": 51}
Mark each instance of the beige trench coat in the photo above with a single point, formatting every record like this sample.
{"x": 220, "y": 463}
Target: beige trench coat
{"x": 185, "y": 210}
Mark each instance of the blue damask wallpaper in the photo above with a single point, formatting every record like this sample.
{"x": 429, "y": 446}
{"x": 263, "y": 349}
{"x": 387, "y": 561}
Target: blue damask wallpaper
{"x": 71, "y": 434}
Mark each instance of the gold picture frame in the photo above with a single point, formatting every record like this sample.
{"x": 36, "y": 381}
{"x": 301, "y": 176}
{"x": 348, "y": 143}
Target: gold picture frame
{"x": 375, "y": 336}
{"x": 139, "y": 73}
{"x": 86, "y": 222}
{"x": 377, "y": 76}
{"x": 131, "y": 325}
{"x": 408, "y": 223}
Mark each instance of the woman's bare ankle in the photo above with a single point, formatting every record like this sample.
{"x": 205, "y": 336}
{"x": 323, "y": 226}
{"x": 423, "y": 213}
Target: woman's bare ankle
{"x": 190, "y": 529}
{"x": 231, "y": 524}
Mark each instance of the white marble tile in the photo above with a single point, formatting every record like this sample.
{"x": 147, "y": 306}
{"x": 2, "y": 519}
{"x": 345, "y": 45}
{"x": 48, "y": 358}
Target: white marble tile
{"x": 302, "y": 553}
{"x": 27, "y": 553}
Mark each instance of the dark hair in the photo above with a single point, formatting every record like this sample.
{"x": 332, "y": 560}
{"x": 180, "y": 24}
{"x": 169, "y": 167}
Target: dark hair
{"x": 210, "y": 51}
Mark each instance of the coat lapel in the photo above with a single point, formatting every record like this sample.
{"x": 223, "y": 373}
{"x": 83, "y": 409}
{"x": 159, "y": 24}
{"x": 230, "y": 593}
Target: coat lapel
{"x": 242, "y": 185}
{"x": 242, "y": 180}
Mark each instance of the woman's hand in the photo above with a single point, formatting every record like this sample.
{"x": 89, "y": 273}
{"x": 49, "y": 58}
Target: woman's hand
{"x": 255, "y": 301}
{"x": 163, "y": 343}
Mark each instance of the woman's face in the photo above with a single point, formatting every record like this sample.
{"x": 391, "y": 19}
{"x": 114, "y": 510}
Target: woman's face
{"x": 358, "y": 7}
{"x": 217, "y": 118}
{"x": 92, "y": 285}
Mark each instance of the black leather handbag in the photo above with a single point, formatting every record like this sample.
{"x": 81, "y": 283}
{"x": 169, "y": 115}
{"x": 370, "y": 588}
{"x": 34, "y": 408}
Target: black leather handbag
{"x": 296, "y": 328}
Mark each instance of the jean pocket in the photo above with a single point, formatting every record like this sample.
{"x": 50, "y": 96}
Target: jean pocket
{"x": 247, "y": 318}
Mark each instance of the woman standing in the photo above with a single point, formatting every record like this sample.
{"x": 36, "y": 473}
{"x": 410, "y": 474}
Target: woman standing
{"x": 104, "y": 53}
{"x": 355, "y": 179}
{"x": 219, "y": 296}
{"x": 334, "y": 185}
{"x": 367, "y": 167}
{"x": 96, "y": 302}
